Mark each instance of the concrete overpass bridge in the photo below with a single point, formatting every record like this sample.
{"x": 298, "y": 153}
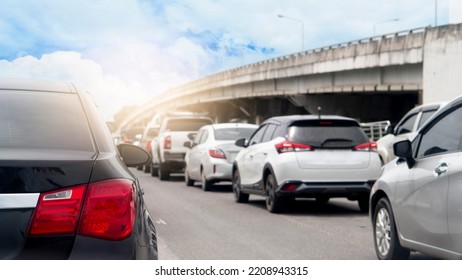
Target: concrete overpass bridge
{"x": 370, "y": 79}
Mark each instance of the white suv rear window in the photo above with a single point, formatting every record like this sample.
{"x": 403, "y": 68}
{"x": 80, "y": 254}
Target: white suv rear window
{"x": 328, "y": 134}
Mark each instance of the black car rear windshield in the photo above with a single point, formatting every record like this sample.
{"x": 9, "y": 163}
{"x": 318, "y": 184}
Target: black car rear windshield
{"x": 233, "y": 133}
{"x": 328, "y": 134}
{"x": 185, "y": 124}
{"x": 42, "y": 120}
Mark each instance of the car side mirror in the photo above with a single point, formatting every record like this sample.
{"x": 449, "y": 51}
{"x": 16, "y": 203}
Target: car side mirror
{"x": 241, "y": 142}
{"x": 187, "y": 144}
{"x": 192, "y": 135}
{"x": 403, "y": 149}
{"x": 133, "y": 155}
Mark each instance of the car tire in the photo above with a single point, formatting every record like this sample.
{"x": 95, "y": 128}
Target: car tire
{"x": 206, "y": 184}
{"x": 139, "y": 167}
{"x": 164, "y": 172}
{"x": 363, "y": 203}
{"x": 386, "y": 241}
{"x": 154, "y": 171}
{"x": 147, "y": 168}
{"x": 239, "y": 196}
{"x": 187, "y": 179}
{"x": 274, "y": 204}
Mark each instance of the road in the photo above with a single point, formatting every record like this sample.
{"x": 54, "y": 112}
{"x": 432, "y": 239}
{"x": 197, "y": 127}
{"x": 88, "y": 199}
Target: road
{"x": 196, "y": 225}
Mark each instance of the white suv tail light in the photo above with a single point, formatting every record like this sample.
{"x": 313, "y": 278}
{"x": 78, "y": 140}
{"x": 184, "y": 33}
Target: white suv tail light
{"x": 286, "y": 146}
{"x": 366, "y": 147}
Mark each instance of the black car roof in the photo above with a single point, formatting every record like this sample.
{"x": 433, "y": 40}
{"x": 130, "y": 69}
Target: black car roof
{"x": 36, "y": 85}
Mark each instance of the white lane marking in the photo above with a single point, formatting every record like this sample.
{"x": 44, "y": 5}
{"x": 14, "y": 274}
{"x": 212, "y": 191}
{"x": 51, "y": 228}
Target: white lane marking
{"x": 160, "y": 222}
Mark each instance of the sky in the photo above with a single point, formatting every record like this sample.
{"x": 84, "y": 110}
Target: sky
{"x": 127, "y": 52}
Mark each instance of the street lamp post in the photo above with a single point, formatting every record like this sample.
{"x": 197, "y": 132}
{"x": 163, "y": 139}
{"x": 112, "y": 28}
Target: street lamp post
{"x": 436, "y": 13}
{"x": 302, "y": 25}
{"x": 384, "y": 21}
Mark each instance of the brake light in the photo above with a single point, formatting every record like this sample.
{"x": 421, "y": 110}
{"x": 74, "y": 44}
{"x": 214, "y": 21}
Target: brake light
{"x": 148, "y": 146}
{"x": 216, "y": 153}
{"x": 57, "y": 212}
{"x": 167, "y": 143}
{"x": 367, "y": 147}
{"x": 287, "y": 146}
{"x": 109, "y": 210}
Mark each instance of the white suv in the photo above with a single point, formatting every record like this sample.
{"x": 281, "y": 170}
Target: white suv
{"x": 306, "y": 156}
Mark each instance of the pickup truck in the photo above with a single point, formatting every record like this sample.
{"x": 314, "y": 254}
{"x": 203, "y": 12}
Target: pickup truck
{"x": 168, "y": 150}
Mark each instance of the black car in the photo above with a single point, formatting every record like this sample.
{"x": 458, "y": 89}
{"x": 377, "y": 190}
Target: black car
{"x": 65, "y": 189}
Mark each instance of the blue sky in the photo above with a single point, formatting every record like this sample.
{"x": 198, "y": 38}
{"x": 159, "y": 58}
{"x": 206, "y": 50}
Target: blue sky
{"x": 128, "y": 51}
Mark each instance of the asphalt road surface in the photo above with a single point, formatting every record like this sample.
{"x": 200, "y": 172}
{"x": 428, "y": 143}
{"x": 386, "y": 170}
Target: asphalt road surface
{"x": 196, "y": 225}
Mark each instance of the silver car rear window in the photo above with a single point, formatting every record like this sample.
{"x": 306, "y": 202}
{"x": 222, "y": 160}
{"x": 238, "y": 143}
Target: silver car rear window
{"x": 327, "y": 134}
{"x": 233, "y": 133}
{"x": 185, "y": 124}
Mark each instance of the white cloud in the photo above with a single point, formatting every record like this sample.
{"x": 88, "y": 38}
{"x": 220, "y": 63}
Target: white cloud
{"x": 455, "y": 11}
{"x": 127, "y": 51}
{"x": 110, "y": 92}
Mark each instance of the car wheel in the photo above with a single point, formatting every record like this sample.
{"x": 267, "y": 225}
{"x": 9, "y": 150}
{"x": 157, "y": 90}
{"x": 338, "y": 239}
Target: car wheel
{"x": 154, "y": 171}
{"x": 206, "y": 184}
{"x": 188, "y": 180}
{"x": 139, "y": 167}
{"x": 147, "y": 168}
{"x": 164, "y": 172}
{"x": 363, "y": 203}
{"x": 274, "y": 204}
{"x": 386, "y": 241}
{"x": 239, "y": 196}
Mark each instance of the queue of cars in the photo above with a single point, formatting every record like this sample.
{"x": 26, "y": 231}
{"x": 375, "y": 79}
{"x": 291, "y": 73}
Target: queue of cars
{"x": 284, "y": 158}
{"x": 412, "y": 200}
{"x": 66, "y": 191}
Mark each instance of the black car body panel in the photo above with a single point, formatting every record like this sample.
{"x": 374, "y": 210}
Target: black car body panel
{"x": 52, "y": 138}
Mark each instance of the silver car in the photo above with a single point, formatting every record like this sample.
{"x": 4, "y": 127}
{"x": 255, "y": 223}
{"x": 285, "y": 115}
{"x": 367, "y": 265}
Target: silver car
{"x": 212, "y": 153}
{"x": 416, "y": 203}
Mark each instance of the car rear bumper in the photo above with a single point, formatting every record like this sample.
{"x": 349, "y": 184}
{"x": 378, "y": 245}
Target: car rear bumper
{"x": 286, "y": 171}
{"x": 351, "y": 190}
{"x": 174, "y": 157}
{"x": 219, "y": 170}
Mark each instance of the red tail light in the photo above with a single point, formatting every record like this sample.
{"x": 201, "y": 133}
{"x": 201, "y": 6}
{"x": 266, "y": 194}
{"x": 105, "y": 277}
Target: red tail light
{"x": 367, "y": 147}
{"x": 148, "y": 146}
{"x": 287, "y": 146}
{"x": 109, "y": 210}
{"x": 289, "y": 187}
{"x": 57, "y": 212}
{"x": 216, "y": 153}
{"x": 168, "y": 143}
